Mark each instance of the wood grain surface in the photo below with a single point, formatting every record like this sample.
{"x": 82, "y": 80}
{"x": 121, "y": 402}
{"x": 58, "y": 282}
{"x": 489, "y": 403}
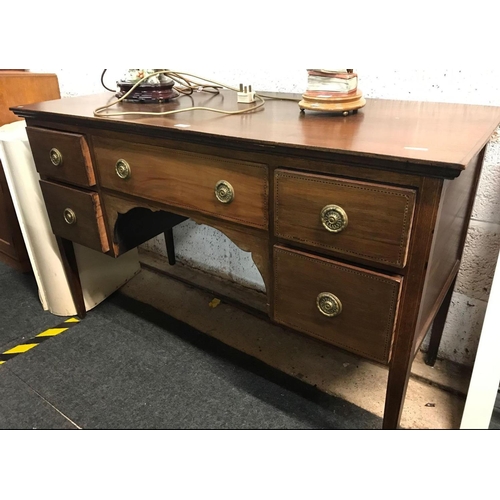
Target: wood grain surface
{"x": 24, "y": 88}
{"x": 441, "y": 134}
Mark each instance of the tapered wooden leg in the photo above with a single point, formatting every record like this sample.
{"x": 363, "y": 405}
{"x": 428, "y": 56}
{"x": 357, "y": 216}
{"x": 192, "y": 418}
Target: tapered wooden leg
{"x": 169, "y": 240}
{"x": 400, "y": 368}
{"x": 399, "y": 374}
{"x": 72, "y": 275}
{"x": 403, "y": 349}
{"x": 438, "y": 327}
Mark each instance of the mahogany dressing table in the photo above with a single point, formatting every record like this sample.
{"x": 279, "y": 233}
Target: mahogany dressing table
{"x": 357, "y": 224}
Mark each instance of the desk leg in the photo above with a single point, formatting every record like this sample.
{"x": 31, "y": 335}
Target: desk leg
{"x": 169, "y": 241}
{"x": 438, "y": 327}
{"x": 400, "y": 367}
{"x": 399, "y": 375}
{"x": 72, "y": 275}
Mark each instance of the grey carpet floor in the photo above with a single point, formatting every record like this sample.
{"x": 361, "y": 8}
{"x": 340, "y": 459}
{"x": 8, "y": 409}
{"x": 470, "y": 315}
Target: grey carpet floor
{"x": 129, "y": 366}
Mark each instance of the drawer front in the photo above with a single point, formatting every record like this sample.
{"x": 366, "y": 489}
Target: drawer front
{"x": 62, "y": 156}
{"x": 75, "y": 215}
{"x": 186, "y": 180}
{"x": 360, "y": 219}
{"x": 346, "y": 306}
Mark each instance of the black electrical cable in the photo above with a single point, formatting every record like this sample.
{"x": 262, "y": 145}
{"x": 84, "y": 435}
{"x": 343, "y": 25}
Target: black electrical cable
{"x": 102, "y": 81}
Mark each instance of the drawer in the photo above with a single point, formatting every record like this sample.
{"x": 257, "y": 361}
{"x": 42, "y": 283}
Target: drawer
{"x": 346, "y": 306}
{"x": 75, "y": 215}
{"x": 360, "y": 219}
{"x": 62, "y": 156}
{"x": 228, "y": 189}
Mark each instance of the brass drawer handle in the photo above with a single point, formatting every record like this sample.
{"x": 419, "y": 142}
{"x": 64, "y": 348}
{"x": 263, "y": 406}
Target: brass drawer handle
{"x": 224, "y": 192}
{"x": 56, "y": 157}
{"x": 328, "y": 304}
{"x": 123, "y": 169}
{"x": 69, "y": 216}
{"x": 334, "y": 218}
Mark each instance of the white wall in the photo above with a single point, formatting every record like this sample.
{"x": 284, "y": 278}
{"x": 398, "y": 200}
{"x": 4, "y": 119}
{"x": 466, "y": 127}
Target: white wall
{"x": 203, "y": 247}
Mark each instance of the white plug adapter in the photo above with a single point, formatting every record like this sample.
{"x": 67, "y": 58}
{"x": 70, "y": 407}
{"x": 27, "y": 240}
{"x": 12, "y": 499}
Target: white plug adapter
{"x": 246, "y": 94}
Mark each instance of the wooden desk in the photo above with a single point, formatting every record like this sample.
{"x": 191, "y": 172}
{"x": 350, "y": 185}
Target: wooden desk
{"x": 357, "y": 224}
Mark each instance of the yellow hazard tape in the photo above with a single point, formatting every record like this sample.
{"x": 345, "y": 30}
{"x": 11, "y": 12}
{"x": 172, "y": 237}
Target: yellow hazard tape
{"x": 41, "y": 337}
{"x": 20, "y": 348}
{"x": 51, "y": 332}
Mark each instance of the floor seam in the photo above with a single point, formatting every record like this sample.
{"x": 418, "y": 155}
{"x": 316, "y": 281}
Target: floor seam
{"x": 44, "y": 399}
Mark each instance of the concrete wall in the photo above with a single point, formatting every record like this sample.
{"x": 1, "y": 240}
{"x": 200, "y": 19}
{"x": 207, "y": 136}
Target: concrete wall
{"x": 205, "y": 248}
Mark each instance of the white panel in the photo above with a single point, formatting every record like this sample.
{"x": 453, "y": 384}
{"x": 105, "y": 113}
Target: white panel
{"x": 485, "y": 379}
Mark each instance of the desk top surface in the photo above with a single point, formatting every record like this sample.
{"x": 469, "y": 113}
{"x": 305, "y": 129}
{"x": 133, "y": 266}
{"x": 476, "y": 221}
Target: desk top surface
{"x": 448, "y": 135}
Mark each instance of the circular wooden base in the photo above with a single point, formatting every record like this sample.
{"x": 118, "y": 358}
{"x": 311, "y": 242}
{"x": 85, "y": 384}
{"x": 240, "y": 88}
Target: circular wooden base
{"x": 148, "y": 92}
{"x": 343, "y": 105}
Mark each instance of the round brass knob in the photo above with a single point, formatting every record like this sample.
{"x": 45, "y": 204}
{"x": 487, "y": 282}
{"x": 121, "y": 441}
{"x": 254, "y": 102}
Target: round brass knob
{"x": 56, "y": 157}
{"x": 328, "y": 304}
{"x": 334, "y": 218}
{"x": 123, "y": 169}
{"x": 69, "y": 216}
{"x": 224, "y": 192}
